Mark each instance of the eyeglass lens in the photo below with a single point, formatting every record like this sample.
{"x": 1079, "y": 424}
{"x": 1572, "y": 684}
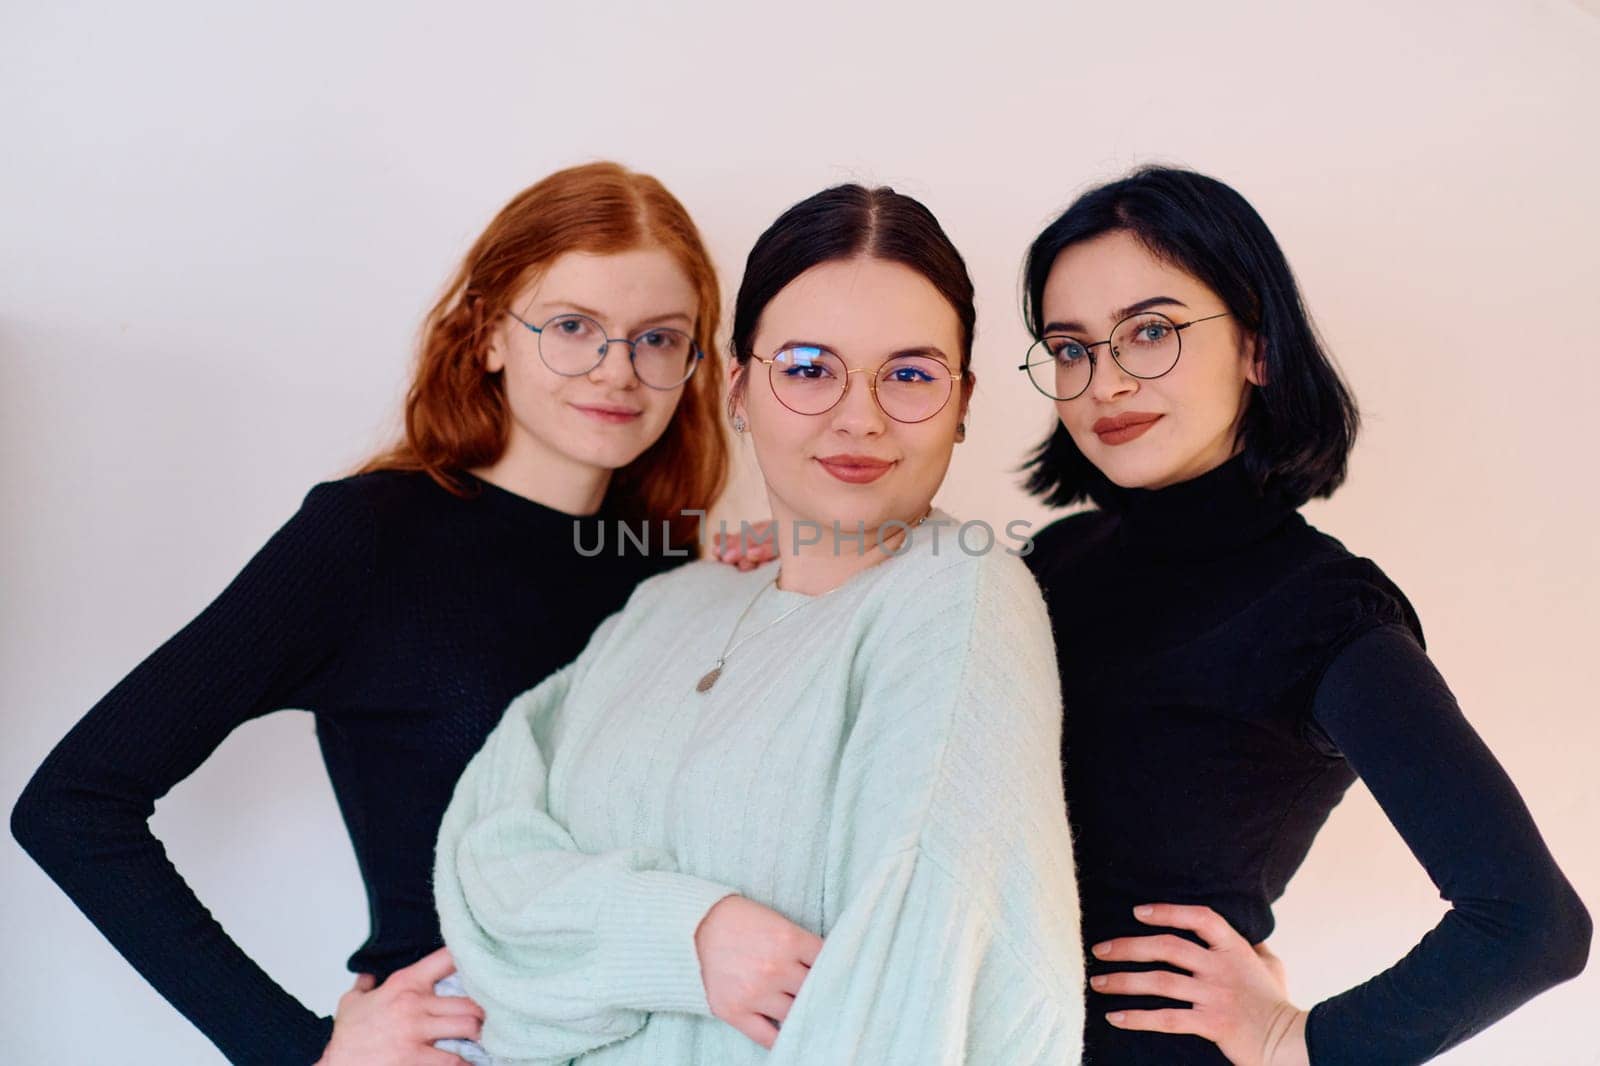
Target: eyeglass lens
{"x": 575, "y": 344}
{"x": 810, "y": 380}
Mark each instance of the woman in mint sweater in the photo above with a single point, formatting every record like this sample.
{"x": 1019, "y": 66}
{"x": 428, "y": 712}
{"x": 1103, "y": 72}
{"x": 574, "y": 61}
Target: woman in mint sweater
{"x": 817, "y": 811}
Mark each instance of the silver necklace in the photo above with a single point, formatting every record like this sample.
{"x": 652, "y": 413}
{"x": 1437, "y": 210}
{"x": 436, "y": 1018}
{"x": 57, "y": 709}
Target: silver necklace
{"x": 710, "y": 677}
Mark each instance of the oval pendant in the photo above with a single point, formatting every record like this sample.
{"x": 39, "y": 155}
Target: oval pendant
{"x": 709, "y": 680}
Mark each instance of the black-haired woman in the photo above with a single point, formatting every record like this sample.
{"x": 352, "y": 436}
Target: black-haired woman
{"x": 1229, "y": 671}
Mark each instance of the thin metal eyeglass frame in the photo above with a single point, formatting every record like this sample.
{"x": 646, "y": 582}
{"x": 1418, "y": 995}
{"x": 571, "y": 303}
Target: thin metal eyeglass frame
{"x": 605, "y": 349}
{"x": 872, "y": 385}
{"x": 1088, "y": 350}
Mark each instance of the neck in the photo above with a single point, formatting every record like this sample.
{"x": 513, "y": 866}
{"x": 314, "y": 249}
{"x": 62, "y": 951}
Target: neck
{"x": 812, "y": 569}
{"x": 547, "y": 477}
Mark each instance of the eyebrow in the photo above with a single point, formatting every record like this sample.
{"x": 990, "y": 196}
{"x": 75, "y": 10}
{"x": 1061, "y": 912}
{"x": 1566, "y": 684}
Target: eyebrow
{"x": 928, "y": 350}
{"x": 1131, "y": 309}
{"x": 667, "y": 316}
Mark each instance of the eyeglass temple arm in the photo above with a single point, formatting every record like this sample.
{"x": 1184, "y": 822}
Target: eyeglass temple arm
{"x": 1208, "y": 318}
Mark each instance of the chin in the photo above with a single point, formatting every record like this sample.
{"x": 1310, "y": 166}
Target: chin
{"x": 621, "y": 445}
{"x": 608, "y": 456}
{"x": 825, "y": 509}
{"x": 1132, "y": 471}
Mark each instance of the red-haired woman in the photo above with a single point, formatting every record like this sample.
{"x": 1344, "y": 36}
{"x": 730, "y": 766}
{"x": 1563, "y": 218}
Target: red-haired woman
{"x": 557, "y": 395}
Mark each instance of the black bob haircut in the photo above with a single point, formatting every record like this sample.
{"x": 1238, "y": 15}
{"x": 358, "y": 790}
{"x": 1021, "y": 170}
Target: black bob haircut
{"x": 1298, "y": 428}
{"x": 844, "y": 222}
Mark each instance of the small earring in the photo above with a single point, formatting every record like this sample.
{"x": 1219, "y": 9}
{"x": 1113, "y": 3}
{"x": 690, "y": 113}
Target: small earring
{"x": 961, "y": 432}
{"x": 738, "y": 423}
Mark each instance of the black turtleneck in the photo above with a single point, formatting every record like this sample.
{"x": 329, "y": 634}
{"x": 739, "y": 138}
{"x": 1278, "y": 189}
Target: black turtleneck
{"x": 405, "y": 618}
{"x": 1228, "y": 672}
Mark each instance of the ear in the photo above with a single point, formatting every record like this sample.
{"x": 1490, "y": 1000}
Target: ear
{"x": 737, "y": 374}
{"x": 494, "y": 356}
{"x": 1255, "y": 371}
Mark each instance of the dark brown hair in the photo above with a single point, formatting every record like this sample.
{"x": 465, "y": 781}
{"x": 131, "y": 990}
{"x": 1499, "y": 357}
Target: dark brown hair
{"x": 844, "y": 222}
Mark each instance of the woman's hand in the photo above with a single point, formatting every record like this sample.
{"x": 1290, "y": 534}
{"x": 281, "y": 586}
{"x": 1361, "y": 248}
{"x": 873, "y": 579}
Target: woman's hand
{"x": 753, "y": 961}
{"x": 747, "y": 553}
{"x": 396, "y": 1023}
{"x": 1241, "y": 1000}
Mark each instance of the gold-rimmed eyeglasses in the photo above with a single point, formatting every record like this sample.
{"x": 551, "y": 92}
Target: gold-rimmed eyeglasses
{"x": 809, "y": 379}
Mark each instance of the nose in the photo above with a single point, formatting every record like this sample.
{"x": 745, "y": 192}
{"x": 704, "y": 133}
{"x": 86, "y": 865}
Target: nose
{"x": 857, "y": 412}
{"x": 1111, "y": 382}
{"x": 615, "y": 369}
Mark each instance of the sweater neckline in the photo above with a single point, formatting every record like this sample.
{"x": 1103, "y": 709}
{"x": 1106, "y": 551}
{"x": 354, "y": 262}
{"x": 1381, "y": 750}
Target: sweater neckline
{"x": 777, "y": 598}
{"x": 1220, "y": 511}
{"x": 519, "y": 508}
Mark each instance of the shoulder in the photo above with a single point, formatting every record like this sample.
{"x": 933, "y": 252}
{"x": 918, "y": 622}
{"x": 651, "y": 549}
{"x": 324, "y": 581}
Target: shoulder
{"x": 1068, "y": 540}
{"x": 382, "y": 494}
{"x": 699, "y": 579}
{"x": 977, "y": 600}
{"x": 958, "y": 557}
{"x": 335, "y": 521}
{"x": 1334, "y": 595}
{"x": 412, "y": 516}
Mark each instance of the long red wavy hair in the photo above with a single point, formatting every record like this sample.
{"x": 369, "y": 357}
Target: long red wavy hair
{"x": 456, "y": 415}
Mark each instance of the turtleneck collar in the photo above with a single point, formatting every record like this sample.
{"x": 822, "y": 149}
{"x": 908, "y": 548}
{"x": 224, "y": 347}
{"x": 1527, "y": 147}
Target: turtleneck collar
{"x": 1210, "y": 515}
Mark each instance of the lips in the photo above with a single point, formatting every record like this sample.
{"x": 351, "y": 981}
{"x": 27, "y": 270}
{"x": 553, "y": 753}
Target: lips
{"x": 1120, "y": 429}
{"x": 609, "y": 413}
{"x": 855, "y": 469}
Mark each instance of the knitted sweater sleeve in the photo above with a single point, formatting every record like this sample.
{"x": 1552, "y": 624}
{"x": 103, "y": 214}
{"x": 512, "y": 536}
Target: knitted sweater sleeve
{"x": 952, "y": 910}
{"x": 566, "y": 951}
{"x": 84, "y": 816}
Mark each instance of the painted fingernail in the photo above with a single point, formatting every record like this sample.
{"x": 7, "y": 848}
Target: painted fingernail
{"x": 1101, "y": 949}
{"x": 1144, "y": 911}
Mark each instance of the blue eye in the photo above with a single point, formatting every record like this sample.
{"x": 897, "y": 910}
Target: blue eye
{"x": 910, "y": 375}
{"x": 1065, "y": 349}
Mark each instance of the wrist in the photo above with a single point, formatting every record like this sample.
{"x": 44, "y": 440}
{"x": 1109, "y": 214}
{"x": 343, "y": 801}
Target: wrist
{"x": 1286, "y": 1041}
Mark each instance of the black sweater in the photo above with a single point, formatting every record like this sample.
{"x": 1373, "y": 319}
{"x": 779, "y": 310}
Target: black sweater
{"x": 1228, "y": 672}
{"x": 405, "y": 618}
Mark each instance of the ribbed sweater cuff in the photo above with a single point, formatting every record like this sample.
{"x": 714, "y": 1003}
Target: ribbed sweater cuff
{"x": 647, "y": 938}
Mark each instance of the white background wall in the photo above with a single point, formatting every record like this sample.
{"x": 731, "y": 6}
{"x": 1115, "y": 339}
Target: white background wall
{"x": 220, "y": 230}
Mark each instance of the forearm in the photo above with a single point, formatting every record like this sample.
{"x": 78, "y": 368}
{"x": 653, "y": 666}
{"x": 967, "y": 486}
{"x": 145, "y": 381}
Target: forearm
{"x": 104, "y": 857}
{"x": 85, "y": 816}
{"x": 1481, "y": 962}
{"x": 566, "y": 950}
{"x": 1516, "y": 926}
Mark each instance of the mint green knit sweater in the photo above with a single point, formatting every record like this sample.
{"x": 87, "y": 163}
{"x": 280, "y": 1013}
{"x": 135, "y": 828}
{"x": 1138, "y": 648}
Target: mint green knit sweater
{"x": 881, "y": 767}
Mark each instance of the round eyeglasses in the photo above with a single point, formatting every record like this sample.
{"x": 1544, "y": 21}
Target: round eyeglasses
{"x": 572, "y": 345}
{"x": 1145, "y": 346}
{"x": 811, "y": 380}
